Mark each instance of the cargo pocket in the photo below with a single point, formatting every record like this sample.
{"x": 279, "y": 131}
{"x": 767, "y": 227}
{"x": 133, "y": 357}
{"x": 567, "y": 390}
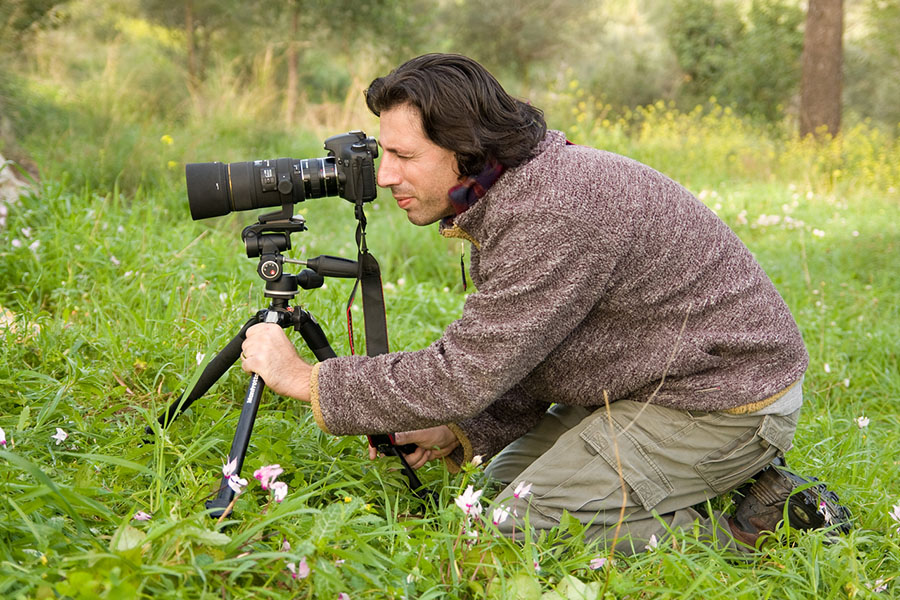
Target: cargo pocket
{"x": 647, "y": 482}
{"x": 727, "y": 467}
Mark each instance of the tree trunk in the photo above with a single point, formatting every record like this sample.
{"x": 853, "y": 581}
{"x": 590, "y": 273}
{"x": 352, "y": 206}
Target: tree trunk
{"x": 821, "y": 81}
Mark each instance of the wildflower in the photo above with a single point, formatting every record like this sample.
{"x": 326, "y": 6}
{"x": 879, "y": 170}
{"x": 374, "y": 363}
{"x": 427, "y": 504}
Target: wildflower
{"x": 60, "y": 436}
{"x": 827, "y": 368}
{"x": 230, "y": 467}
{"x": 879, "y": 586}
{"x": 652, "y": 543}
{"x": 477, "y": 460}
{"x": 468, "y": 501}
{"x": 280, "y": 489}
{"x": 895, "y": 515}
{"x": 267, "y": 475}
{"x": 200, "y": 356}
{"x": 285, "y": 545}
{"x": 299, "y": 570}
{"x": 141, "y": 516}
{"x": 114, "y": 260}
{"x": 537, "y": 567}
{"x": 826, "y": 514}
{"x": 343, "y": 596}
{"x": 167, "y": 140}
{"x": 237, "y": 483}
{"x": 522, "y": 490}
{"x": 2, "y": 437}
{"x": 598, "y": 563}
{"x": 500, "y": 514}
{"x": 818, "y": 233}
{"x": 862, "y": 422}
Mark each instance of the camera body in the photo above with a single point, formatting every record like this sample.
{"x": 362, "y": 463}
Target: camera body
{"x": 215, "y": 189}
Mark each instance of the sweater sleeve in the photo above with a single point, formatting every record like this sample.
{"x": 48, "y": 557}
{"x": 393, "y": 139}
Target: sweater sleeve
{"x": 540, "y": 277}
{"x": 485, "y": 434}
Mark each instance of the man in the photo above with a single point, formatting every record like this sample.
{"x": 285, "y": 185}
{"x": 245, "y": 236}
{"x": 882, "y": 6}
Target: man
{"x": 624, "y": 353}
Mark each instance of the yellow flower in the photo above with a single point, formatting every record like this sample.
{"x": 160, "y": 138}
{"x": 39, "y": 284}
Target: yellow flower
{"x": 171, "y": 164}
{"x": 348, "y": 499}
{"x": 167, "y": 140}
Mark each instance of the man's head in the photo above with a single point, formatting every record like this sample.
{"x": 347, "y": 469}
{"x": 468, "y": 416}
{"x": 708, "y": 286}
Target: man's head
{"x": 462, "y": 109}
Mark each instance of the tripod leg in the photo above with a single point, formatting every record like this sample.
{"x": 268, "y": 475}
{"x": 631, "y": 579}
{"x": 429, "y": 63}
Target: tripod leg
{"x": 312, "y": 334}
{"x": 240, "y": 443}
{"x": 211, "y": 374}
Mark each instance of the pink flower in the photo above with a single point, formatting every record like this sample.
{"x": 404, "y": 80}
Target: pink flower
{"x": 343, "y": 596}
{"x": 267, "y": 475}
{"x": 468, "y": 501}
{"x": 599, "y": 563}
{"x": 60, "y": 436}
{"x": 280, "y": 489}
{"x": 230, "y": 467}
{"x": 2, "y": 437}
{"x": 522, "y": 490}
{"x": 141, "y": 516}
{"x": 299, "y": 570}
{"x": 652, "y": 543}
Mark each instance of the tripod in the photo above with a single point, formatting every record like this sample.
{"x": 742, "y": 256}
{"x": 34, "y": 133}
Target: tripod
{"x": 266, "y": 239}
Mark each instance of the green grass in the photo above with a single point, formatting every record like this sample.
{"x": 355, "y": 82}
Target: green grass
{"x": 114, "y": 295}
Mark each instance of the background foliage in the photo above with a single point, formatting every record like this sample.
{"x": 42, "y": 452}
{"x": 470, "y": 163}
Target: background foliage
{"x": 111, "y": 298}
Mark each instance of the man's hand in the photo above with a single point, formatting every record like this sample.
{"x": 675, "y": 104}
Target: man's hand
{"x": 434, "y": 442}
{"x": 268, "y": 352}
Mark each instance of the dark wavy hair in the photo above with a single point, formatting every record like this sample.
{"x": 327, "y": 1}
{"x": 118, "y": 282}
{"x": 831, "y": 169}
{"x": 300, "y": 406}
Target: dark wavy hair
{"x": 464, "y": 109}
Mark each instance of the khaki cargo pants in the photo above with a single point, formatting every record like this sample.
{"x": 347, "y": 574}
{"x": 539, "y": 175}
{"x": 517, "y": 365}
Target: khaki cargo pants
{"x": 670, "y": 461}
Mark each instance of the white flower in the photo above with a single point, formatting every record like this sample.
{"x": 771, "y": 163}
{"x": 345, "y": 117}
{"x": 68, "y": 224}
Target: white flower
{"x": 200, "y": 356}
{"x": 477, "y": 460}
{"x": 230, "y": 467}
{"x": 285, "y": 546}
{"x": 237, "y": 483}
{"x": 2, "y": 437}
{"x": 141, "y": 516}
{"x": 468, "y": 501}
{"x": 280, "y": 489}
{"x": 114, "y": 260}
{"x": 598, "y": 563}
{"x": 826, "y": 514}
{"x": 879, "y": 586}
{"x": 652, "y": 543}
{"x": 60, "y": 436}
{"x": 500, "y": 514}
{"x": 862, "y": 422}
{"x": 818, "y": 233}
{"x": 895, "y": 515}
{"x": 522, "y": 490}
{"x": 827, "y": 368}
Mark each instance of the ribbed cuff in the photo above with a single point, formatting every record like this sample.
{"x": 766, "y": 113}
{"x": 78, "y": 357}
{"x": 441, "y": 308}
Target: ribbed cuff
{"x": 314, "y": 398}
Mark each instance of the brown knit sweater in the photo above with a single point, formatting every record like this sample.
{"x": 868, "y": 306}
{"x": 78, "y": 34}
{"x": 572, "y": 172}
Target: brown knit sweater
{"x": 594, "y": 273}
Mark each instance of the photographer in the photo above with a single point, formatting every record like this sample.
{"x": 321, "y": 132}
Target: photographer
{"x": 619, "y": 326}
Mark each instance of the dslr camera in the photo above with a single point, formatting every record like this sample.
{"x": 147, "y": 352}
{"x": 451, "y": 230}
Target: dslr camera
{"x": 215, "y": 189}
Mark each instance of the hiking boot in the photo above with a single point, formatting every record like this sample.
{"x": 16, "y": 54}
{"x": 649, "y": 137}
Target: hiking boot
{"x": 760, "y": 503}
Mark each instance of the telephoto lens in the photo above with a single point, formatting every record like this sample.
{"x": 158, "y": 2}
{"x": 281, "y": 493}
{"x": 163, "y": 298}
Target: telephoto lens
{"x": 215, "y": 189}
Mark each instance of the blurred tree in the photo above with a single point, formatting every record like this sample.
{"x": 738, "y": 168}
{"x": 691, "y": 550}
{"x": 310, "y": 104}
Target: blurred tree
{"x": 822, "y": 80}
{"x": 515, "y": 35}
{"x": 872, "y": 63}
{"x": 750, "y": 62}
{"x": 703, "y": 35}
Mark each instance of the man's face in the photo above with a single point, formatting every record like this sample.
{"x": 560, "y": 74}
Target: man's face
{"x": 418, "y": 171}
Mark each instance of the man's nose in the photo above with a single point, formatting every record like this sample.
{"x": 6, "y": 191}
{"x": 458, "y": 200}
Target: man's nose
{"x": 388, "y": 175}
